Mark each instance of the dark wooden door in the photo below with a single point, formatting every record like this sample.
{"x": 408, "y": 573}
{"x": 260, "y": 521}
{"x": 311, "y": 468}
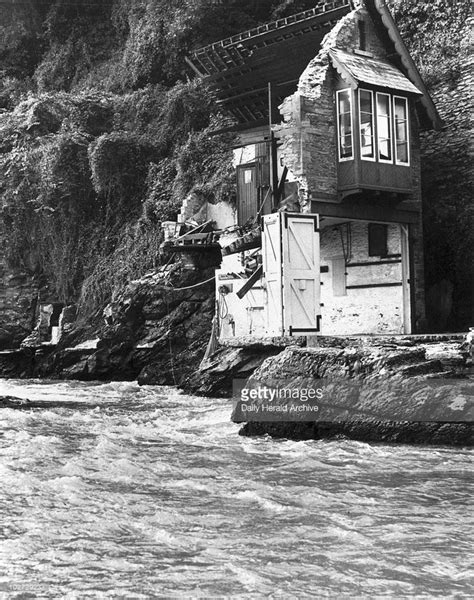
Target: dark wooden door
{"x": 247, "y": 192}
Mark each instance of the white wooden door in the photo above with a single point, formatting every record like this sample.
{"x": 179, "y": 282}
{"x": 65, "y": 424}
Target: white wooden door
{"x": 301, "y": 273}
{"x": 290, "y": 246}
{"x": 272, "y": 268}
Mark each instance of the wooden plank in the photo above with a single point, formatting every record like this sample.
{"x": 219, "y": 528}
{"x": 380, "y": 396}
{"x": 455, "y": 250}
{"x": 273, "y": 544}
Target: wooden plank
{"x": 242, "y": 127}
{"x": 301, "y": 271}
{"x": 193, "y": 67}
{"x": 241, "y": 247}
{"x": 281, "y": 184}
{"x": 373, "y": 285}
{"x": 272, "y": 265}
{"x": 252, "y": 280}
{"x": 254, "y": 92}
{"x": 364, "y": 212}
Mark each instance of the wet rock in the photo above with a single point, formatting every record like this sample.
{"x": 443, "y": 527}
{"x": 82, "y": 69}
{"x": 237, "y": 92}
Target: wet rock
{"x": 228, "y": 364}
{"x": 25, "y": 404}
{"x": 368, "y": 393}
{"x": 16, "y": 364}
{"x": 155, "y": 331}
{"x": 13, "y": 402}
{"x": 447, "y": 434}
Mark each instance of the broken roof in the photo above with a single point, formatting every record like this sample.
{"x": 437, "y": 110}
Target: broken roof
{"x": 239, "y": 69}
{"x": 357, "y": 69}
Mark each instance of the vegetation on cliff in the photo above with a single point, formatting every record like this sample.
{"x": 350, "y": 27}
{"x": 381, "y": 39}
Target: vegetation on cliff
{"x": 103, "y": 131}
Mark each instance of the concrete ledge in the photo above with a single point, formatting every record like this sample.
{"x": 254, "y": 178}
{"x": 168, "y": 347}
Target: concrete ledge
{"x": 262, "y": 342}
{"x": 338, "y": 341}
{"x": 382, "y": 340}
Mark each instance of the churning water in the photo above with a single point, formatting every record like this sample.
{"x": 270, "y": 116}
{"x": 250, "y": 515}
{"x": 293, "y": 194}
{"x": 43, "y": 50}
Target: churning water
{"x": 146, "y": 493}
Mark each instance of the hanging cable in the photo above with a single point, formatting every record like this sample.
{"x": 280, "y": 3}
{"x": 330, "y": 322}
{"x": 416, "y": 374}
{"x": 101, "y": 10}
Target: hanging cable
{"x": 189, "y": 287}
{"x": 223, "y": 307}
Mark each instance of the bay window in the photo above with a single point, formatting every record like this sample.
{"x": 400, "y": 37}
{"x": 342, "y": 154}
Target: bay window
{"x": 383, "y": 127}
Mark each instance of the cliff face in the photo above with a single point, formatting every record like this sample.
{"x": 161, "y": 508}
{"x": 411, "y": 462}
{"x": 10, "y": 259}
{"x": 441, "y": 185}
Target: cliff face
{"x": 438, "y": 37}
{"x": 18, "y": 299}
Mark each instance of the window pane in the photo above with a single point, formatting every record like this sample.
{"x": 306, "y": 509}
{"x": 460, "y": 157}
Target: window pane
{"x": 344, "y": 102}
{"x": 366, "y": 124}
{"x": 384, "y": 127}
{"x": 344, "y": 123}
{"x": 401, "y": 129}
{"x": 383, "y": 105}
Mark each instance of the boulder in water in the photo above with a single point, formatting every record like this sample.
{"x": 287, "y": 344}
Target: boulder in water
{"x": 13, "y": 402}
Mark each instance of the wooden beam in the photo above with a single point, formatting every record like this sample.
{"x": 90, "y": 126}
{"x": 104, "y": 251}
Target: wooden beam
{"x": 281, "y": 185}
{"x": 193, "y": 67}
{"x": 242, "y": 127}
{"x": 253, "y": 92}
{"x": 364, "y": 212}
{"x": 251, "y": 281}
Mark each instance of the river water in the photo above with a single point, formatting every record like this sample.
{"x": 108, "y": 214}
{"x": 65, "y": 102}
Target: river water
{"x": 146, "y": 493}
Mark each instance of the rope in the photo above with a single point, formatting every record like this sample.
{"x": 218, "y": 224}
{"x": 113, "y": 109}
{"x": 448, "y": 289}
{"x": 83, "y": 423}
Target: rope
{"x": 223, "y": 307}
{"x": 189, "y": 287}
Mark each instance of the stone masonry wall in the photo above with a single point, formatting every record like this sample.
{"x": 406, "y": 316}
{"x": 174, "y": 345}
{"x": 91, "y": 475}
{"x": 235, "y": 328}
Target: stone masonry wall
{"x": 416, "y": 235}
{"x": 448, "y": 184}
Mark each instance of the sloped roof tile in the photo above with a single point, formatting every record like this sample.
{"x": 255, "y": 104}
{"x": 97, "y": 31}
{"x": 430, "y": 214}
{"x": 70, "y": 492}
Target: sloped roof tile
{"x": 363, "y": 69}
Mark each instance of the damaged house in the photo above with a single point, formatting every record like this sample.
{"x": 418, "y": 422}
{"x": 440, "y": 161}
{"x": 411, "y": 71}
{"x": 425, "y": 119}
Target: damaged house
{"x": 326, "y": 235}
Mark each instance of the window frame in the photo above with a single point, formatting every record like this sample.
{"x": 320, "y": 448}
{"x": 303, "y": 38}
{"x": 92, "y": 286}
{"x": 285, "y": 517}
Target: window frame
{"x": 407, "y": 120}
{"x": 338, "y": 118}
{"x": 393, "y": 140}
{"x": 374, "y": 145}
{"x": 386, "y": 161}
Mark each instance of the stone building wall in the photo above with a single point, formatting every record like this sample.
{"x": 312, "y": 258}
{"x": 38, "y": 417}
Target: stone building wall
{"x": 416, "y": 234}
{"x": 367, "y": 310}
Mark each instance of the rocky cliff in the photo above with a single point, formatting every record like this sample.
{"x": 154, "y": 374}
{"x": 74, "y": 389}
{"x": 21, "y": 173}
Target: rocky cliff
{"x": 155, "y": 330}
